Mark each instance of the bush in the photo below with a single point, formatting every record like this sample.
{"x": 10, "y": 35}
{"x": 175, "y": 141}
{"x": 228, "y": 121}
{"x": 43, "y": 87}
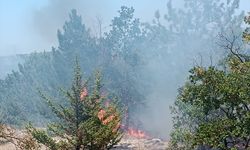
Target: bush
{"x": 90, "y": 119}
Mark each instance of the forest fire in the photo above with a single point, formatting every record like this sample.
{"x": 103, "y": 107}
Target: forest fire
{"x": 84, "y": 93}
{"x": 136, "y": 133}
{"x": 134, "y": 77}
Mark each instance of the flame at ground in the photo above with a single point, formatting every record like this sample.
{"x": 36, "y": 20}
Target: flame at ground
{"x": 136, "y": 133}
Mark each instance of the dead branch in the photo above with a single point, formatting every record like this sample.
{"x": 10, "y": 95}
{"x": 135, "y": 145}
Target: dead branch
{"x": 231, "y": 43}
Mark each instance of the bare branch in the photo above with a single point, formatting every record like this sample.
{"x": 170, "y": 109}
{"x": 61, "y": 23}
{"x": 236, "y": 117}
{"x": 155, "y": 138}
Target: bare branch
{"x": 231, "y": 43}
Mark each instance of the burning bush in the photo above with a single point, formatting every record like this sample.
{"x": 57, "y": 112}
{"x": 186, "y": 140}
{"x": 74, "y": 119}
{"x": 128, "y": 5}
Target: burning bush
{"x": 87, "y": 123}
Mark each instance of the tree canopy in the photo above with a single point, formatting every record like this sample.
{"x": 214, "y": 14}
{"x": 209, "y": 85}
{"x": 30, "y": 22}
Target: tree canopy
{"x": 212, "y": 108}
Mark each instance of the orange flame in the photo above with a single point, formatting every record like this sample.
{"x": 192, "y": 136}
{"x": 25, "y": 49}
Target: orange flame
{"x": 107, "y": 120}
{"x": 84, "y": 93}
{"x": 137, "y": 133}
{"x": 101, "y": 114}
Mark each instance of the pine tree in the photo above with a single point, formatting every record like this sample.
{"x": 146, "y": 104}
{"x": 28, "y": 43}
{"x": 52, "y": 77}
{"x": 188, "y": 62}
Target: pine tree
{"x": 123, "y": 61}
{"x": 90, "y": 120}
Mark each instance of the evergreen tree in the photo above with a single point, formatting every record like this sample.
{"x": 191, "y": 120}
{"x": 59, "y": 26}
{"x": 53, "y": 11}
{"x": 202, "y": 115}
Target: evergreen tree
{"x": 75, "y": 40}
{"x": 47, "y": 71}
{"x": 121, "y": 67}
{"x": 89, "y": 120}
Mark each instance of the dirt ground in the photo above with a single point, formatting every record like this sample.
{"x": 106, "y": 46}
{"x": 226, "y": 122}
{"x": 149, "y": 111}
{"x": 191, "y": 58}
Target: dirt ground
{"x": 7, "y": 147}
{"x": 127, "y": 143}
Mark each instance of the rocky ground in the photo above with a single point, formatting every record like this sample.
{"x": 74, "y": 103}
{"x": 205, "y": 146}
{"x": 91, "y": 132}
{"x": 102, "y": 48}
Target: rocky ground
{"x": 127, "y": 143}
{"x": 131, "y": 143}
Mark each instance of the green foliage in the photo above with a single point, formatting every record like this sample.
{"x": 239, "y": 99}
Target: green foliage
{"x": 184, "y": 124}
{"x": 122, "y": 55}
{"x": 87, "y": 121}
{"x": 212, "y": 106}
{"x": 73, "y": 29}
{"x": 19, "y": 97}
{"x": 123, "y": 61}
{"x": 47, "y": 71}
{"x": 124, "y": 36}
{"x": 222, "y": 100}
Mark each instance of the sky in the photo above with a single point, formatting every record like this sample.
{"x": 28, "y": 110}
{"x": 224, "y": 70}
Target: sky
{"x": 31, "y": 25}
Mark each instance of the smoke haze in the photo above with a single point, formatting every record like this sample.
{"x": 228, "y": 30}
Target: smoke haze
{"x": 27, "y": 27}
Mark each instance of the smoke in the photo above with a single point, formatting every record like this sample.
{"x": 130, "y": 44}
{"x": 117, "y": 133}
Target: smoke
{"x": 41, "y": 35}
{"x": 169, "y": 73}
{"x": 49, "y": 18}
{"x": 9, "y": 63}
{"x": 28, "y": 26}
{"x": 165, "y": 78}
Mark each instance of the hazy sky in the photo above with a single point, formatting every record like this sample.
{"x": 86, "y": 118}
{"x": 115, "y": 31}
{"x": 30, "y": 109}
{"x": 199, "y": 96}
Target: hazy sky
{"x": 31, "y": 25}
